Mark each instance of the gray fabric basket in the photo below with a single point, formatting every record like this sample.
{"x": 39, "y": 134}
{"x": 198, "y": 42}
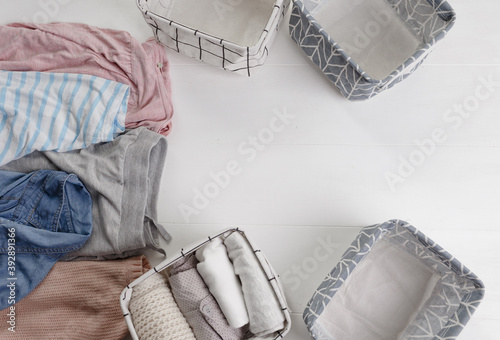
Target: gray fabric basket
{"x": 367, "y": 46}
{"x": 394, "y": 283}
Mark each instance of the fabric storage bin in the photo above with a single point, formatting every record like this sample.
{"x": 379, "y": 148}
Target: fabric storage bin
{"x": 232, "y": 34}
{"x": 394, "y": 283}
{"x": 366, "y": 46}
{"x": 163, "y": 268}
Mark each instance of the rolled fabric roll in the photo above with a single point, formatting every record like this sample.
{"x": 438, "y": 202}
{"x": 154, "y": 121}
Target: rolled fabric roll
{"x": 197, "y": 305}
{"x": 155, "y": 313}
{"x": 218, "y": 273}
{"x": 264, "y": 310}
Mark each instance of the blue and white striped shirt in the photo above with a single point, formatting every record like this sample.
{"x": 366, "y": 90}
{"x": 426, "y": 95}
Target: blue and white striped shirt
{"x": 58, "y": 111}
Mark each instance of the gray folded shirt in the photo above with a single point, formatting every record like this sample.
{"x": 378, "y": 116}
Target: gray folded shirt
{"x": 123, "y": 178}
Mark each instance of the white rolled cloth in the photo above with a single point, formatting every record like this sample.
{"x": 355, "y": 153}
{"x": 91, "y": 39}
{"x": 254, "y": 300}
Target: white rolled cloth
{"x": 218, "y": 273}
{"x": 264, "y": 309}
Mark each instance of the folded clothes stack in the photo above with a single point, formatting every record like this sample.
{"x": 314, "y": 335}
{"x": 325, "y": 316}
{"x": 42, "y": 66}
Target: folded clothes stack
{"x": 84, "y": 113}
{"x": 105, "y": 53}
{"x": 122, "y": 177}
{"x": 221, "y": 291}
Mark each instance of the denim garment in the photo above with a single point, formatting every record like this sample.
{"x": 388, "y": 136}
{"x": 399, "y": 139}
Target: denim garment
{"x": 48, "y": 214}
{"x": 122, "y": 178}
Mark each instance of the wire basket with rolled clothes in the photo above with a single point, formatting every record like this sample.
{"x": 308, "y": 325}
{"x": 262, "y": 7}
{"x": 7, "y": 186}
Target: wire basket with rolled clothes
{"x": 221, "y": 287}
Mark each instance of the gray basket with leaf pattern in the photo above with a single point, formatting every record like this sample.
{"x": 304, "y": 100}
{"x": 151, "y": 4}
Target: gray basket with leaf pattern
{"x": 366, "y": 46}
{"x": 394, "y": 283}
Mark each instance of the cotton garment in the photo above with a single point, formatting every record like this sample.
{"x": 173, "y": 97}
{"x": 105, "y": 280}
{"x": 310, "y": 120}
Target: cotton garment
{"x": 155, "y": 313}
{"x": 43, "y": 216}
{"x": 105, "y": 53}
{"x": 197, "y": 305}
{"x": 76, "y": 301}
{"x": 218, "y": 274}
{"x": 264, "y": 310}
{"x": 123, "y": 178}
{"x": 57, "y": 111}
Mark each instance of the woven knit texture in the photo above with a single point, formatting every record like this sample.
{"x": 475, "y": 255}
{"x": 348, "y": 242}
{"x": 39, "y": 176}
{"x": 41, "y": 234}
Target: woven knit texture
{"x": 155, "y": 313}
{"x": 76, "y": 301}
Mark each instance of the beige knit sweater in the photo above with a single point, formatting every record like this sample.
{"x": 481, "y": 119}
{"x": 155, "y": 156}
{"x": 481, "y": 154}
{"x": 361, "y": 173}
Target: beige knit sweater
{"x": 77, "y": 300}
{"x": 155, "y": 313}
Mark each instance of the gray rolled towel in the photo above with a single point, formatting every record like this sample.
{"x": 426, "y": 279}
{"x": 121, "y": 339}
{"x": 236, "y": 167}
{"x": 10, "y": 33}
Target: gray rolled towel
{"x": 264, "y": 309}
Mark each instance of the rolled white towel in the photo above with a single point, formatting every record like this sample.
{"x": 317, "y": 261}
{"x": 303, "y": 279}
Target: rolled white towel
{"x": 218, "y": 273}
{"x": 264, "y": 309}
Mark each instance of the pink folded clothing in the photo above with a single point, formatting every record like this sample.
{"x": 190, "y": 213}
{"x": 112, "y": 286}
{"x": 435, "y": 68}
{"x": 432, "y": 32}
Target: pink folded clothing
{"x": 76, "y": 300}
{"x": 105, "y": 53}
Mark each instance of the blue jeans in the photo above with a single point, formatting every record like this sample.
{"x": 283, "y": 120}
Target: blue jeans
{"x": 43, "y": 216}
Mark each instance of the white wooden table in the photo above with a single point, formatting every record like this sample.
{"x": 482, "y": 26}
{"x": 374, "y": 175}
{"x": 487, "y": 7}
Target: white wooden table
{"x": 322, "y": 174}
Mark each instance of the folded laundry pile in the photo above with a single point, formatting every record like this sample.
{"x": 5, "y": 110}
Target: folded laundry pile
{"x": 84, "y": 113}
{"x": 122, "y": 178}
{"x": 221, "y": 289}
{"x": 105, "y": 53}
